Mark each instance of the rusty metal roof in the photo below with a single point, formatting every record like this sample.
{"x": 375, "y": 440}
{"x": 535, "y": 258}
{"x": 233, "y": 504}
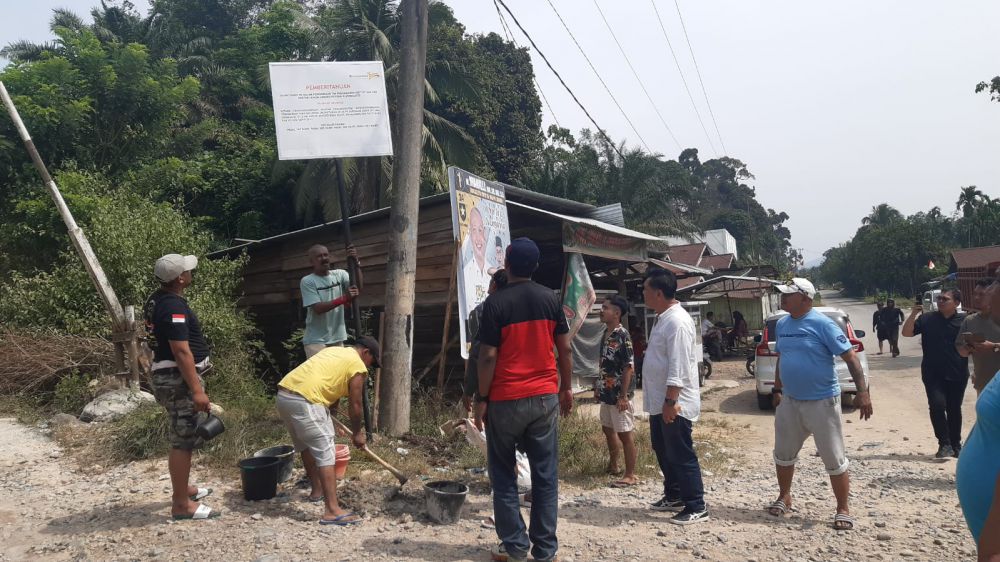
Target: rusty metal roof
{"x": 982, "y": 256}
{"x": 689, "y": 254}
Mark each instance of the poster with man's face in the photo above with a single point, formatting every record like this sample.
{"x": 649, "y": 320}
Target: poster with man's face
{"x": 479, "y": 220}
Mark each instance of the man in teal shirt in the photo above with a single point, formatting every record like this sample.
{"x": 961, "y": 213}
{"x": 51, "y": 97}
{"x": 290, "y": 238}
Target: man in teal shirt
{"x": 325, "y": 291}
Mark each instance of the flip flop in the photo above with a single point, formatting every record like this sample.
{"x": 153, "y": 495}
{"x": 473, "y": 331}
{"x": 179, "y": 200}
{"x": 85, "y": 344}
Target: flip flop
{"x": 623, "y": 484}
{"x": 843, "y": 522}
{"x": 778, "y": 508}
{"x": 201, "y": 494}
{"x": 320, "y": 499}
{"x": 340, "y": 521}
{"x": 203, "y": 512}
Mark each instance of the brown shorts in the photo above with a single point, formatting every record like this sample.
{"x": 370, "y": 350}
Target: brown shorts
{"x": 174, "y": 395}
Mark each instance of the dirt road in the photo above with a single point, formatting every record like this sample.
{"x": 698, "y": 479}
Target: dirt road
{"x": 52, "y": 509}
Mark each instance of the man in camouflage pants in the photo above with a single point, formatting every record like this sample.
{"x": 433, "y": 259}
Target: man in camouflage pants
{"x": 180, "y": 355}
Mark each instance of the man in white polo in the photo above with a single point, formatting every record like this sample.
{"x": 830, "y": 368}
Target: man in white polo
{"x": 807, "y": 396}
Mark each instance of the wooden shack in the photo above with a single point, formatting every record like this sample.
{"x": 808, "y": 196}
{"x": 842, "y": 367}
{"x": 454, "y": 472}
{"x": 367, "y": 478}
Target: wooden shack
{"x": 270, "y": 289}
{"x": 969, "y": 265}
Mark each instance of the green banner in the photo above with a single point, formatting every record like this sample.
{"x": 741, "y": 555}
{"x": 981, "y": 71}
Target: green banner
{"x": 596, "y": 242}
{"x": 578, "y": 292}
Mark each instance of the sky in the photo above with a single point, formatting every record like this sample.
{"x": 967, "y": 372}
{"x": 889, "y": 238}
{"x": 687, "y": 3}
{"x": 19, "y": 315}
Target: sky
{"x": 835, "y": 107}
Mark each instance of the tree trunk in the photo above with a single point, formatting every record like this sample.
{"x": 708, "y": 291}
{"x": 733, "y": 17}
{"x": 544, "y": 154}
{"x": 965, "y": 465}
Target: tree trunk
{"x": 401, "y": 271}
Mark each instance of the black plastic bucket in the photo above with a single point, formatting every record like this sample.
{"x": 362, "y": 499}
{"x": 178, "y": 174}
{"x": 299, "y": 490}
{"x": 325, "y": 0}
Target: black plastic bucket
{"x": 260, "y": 477}
{"x": 444, "y": 499}
{"x": 284, "y": 453}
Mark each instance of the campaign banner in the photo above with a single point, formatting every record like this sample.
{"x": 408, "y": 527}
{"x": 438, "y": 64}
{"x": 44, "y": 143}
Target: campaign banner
{"x": 479, "y": 222}
{"x": 330, "y": 109}
{"x": 578, "y": 293}
{"x": 593, "y": 241}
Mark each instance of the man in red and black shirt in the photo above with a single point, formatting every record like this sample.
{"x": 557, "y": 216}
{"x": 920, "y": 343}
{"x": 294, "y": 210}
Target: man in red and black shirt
{"x": 520, "y": 392}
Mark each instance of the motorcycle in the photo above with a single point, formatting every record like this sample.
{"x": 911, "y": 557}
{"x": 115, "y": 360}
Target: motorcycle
{"x": 704, "y": 366}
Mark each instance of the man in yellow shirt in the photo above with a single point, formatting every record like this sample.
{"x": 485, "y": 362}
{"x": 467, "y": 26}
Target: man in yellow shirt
{"x": 305, "y": 397}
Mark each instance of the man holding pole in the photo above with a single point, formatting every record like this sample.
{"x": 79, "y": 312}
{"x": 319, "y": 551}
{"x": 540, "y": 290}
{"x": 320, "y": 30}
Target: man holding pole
{"x": 325, "y": 291}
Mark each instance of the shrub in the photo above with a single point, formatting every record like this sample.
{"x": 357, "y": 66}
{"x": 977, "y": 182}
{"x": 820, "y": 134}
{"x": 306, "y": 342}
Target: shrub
{"x": 72, "y": 393}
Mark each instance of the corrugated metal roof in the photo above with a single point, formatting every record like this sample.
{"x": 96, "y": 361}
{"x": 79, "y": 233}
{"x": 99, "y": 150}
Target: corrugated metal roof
{"x": 966, "y": 258}
{"x": 723, "y": 261}
{"x": 611, "y": 214}
{"x": 680, "y": 267}
{"x": 619, "y": 230}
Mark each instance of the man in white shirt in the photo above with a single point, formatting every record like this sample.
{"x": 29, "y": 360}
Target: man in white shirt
{"x": 672, "y": 398}
{"x": 475, "y": 273}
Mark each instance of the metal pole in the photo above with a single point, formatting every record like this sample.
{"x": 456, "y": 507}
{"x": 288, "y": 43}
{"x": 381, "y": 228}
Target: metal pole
{"x": 352, "y": 270}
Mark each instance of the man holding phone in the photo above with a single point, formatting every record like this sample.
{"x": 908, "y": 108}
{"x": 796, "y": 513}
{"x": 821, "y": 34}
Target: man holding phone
{"x": 979, "y": 337}
{"x": 944, "y": 372}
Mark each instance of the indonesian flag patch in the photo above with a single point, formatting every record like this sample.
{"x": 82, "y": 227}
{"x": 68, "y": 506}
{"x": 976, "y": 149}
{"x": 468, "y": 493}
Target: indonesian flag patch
{"x": 177, "y": 318}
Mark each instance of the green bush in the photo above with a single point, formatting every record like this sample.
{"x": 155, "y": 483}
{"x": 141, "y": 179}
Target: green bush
{"x": 72, "y": 393}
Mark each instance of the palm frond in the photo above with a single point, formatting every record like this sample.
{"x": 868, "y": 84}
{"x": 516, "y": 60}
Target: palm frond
{"x": 64, "y": 18}
{"x": 25, "y": 51}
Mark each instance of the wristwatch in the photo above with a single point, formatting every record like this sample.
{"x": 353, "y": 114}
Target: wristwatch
{"x": 776, "y": 390}
{"x": 669, "y": 401}
{"x": 482, "y": 399}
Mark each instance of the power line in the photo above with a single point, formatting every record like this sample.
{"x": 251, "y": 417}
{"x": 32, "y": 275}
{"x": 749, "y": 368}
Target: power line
{"x": 683, "y": 79}
{"x": 636, "y": 74}
{"x": 510, "y": 37}
{"x": 561, "y": 81}
{"x": 702, "y": 82}
{"x": 598, "y": 74}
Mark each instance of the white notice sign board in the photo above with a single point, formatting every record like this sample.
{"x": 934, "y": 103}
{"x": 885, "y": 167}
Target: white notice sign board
{"x": 330, "y": 109}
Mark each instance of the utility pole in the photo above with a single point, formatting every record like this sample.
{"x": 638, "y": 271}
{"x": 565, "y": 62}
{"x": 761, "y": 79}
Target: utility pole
{"x": 401, "y": 270}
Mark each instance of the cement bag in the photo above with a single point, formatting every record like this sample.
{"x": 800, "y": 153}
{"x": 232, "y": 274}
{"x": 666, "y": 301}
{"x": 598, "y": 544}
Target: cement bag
{"x": 478, "y": 439}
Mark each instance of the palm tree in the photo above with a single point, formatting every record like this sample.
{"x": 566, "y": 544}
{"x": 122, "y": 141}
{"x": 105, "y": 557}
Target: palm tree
{"x": 882, "y": 215}
{"x": 969, "y": 200}
{"x": 369, "y": 30}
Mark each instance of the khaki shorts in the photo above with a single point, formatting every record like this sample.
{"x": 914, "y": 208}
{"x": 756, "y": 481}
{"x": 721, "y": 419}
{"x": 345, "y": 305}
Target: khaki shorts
{"x": 795, "y": 420}
{"x": 621, "y": 422}
{"x": 309, "y": 425}
{"x": 313, "y": 348}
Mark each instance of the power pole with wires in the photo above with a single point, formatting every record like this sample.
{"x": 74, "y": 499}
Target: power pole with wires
{"x": 401, "y": 271}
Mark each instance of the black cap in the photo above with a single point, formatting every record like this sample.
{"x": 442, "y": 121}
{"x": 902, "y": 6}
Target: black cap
{"x": 522, "y": 257}
{"x": 371, "y": 345}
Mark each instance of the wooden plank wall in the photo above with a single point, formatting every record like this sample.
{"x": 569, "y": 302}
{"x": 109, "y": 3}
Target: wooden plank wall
{"x": 271, "y": 278}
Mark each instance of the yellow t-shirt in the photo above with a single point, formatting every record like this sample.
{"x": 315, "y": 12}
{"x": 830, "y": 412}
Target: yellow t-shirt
{"x": 324, "y": 377}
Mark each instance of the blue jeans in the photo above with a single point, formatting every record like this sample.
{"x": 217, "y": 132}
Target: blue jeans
{"x": 532, "y": 424}
{"x": 675, "y": 453}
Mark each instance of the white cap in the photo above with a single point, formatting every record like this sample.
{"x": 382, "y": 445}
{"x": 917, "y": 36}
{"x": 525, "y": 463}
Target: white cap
{"x": 798, "y": 285}
{"x": 170, "y": 266}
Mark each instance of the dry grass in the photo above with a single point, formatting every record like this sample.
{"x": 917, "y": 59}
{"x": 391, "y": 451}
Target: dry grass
{"x": 35, "y": 360}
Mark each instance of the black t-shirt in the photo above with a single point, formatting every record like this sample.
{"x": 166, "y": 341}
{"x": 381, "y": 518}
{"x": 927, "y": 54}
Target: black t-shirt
{"x": 168, "y": 317}
{"x": 890, "y": 317}
{"x": 937, "y": 336}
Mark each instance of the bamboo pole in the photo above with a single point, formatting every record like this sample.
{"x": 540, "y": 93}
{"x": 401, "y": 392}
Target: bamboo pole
{"x": 447, "y": 319}
{"x": 378, "y": 373}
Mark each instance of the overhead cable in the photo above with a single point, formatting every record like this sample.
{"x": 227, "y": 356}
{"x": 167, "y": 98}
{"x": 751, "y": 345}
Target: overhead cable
{"x": 598, "y": 74}
{"x": 510, "y": 37}
{"x": 683, "y": 78}
{"x": 561, "y": 81}
{"x": 702, "y": 82}
{"x": 636, "y": 74}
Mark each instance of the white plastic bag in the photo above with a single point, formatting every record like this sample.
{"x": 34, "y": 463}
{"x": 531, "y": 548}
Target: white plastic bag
{"x": 478, "y": 439}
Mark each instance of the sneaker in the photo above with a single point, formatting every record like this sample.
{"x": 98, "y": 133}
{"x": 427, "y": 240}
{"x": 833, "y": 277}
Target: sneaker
{"x": 956, "y": 450}
{"x": 944, "y": 451}
{"x": 499, "y": 553}
{"x": 663, "y": 504}
{"x": 690, "y": 517}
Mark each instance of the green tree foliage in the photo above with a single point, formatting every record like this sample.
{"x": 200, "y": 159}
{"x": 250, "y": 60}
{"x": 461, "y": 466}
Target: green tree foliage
{"x": 890, "y": 253}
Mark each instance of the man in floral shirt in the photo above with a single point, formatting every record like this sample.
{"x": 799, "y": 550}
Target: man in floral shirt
{"x": 614, "y": 389}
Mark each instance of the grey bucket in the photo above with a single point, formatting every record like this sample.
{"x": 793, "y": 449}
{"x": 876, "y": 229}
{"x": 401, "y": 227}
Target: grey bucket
{"x": 284, "y": 453}
{"x": 444, "y": 499}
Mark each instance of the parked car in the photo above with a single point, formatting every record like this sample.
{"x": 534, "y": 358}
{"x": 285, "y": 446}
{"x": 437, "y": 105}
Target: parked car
{"x": 767, "y": 357}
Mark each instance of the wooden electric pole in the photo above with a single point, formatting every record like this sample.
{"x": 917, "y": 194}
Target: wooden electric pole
{"x": 397, "y": 354}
